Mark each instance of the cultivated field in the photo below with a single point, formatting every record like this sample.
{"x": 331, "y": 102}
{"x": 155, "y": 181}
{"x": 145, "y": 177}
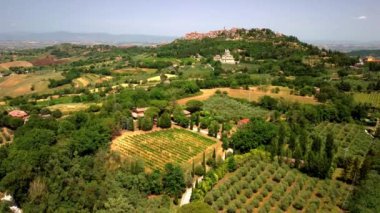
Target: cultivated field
{"x": 260, "y": 185}
{"x": 162, "y": 146}
{"x": 231, "y": 109}
{"x": 351, "y": 139}
{"x": 253, "y": 94}
{"x": 369, "y": 98}
{"x": 90, "y": 79}
{"x": 70, "y": 107}
{"x": 134, "y": 71}
{"x": 15, "y": 85}
{"x": 7, "y": 65}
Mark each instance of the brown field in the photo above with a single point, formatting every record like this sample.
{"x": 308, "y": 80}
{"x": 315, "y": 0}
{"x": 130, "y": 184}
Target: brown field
{"x": 7, "y": 65}
{"x": 253, "y": 94}
{"x": 48, "y": 60}
{"x": 16, "y": 85}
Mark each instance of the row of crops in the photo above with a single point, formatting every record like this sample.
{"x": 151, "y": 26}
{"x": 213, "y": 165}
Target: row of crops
{"x": 262, "y": 186}
{"x": 160, "y": 147}
{"x": 372, "y": 98}
{"x": 352, "y": 140}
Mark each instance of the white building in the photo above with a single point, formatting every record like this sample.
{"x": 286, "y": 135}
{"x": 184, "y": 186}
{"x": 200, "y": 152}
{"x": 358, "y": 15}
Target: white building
{"x": 226, "y": 58}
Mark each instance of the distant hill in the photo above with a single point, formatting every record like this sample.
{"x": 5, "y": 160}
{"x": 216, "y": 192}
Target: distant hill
{"x": 21, "y": 39}
{"x": 374, "y": 53}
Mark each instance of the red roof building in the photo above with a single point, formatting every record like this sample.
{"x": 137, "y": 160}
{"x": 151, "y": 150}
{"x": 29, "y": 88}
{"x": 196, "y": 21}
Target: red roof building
{"x": 18, "y": 114}
{"x": 243, "y": 122}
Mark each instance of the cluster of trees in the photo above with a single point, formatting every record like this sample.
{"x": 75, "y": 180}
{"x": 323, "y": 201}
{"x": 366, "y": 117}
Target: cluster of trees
{"x": 366, "y": 195}
{"x": 64, "y": 164}
{"x": 69, "y": 76}
{"x": 9, "y": 121}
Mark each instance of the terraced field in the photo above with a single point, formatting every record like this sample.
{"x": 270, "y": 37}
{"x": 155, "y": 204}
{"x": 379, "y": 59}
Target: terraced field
{"x": 163, "y": 146}
{"x": 352, "y": 140}
{"x": 260, "y": 185}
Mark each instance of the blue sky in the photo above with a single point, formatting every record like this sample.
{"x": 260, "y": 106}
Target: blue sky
{"x": 344, "y": 20}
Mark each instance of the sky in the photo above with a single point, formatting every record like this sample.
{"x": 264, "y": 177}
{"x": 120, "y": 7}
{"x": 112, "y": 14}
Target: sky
{"x": 335, "y": 20}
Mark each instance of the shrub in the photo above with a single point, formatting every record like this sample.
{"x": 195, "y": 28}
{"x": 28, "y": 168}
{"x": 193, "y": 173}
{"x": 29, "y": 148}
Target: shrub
{"x": 238, "y": 203}
{"x": 199, "y": 170}
{"x": 234, "y": 179}
{"x": 267, "y": 207}
{"x": 276, "y": 195}
{"x": 231, "y": 208}
{"x": 209, "y": 199}
{"x": 255, "y": 203}
{"x": 242, "y": 198}
{"x": 253, "y": 174}
{"x": 226, "y": 199}
{"x": 238, "y": 187}
{"x": 244, "y": 171}
{"x": 244, "y": 184}
{"x": 249, "y": 208}
{"x": 248, "y": 193}
{"x": 269, "y": 187}
{"x": 277, "y": 178}
{"x": 223, "y": 188}
{"x": 232, "y": 193}
{"x": 216, "y": 194}
{"x": 259, "y": 197}
{"x": 298, "y": 204}
{"x": 264, "y": 192}
{"x": 220, "y": 203}
{"x": 254, "y": 187}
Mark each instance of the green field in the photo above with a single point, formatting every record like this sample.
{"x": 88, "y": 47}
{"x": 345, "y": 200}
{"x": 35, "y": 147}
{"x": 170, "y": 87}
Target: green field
{"x": 196, "y": 71}
{"x": 350, "y": 138}
{"x": 160, "y": 147}
{"x": 369, "y": 98}
{"x": 260, "y": 185}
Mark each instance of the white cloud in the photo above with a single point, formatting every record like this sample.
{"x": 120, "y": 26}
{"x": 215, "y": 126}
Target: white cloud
{"x": 361, "y": 17}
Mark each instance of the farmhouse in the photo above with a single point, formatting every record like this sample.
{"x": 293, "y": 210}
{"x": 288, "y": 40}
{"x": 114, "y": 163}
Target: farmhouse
{"x": 18, "y": 114}
{"x": 138, "y": 112}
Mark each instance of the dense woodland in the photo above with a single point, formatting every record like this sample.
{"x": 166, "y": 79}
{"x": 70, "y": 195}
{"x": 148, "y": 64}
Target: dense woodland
{"x": 63, "y": 162}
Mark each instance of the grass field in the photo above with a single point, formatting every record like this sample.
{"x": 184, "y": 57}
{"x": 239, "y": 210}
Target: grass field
{"x": 260, "y": 185}
{"x": 163, "y": 146}
{"x": 196, "y": 71}
{"x": 369, "y": 98}
{"x": 158, "y": 78}
{"x": 253, "y": 94}
{"x": 350, "y": 138}
{"x": 15, "y": 85}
